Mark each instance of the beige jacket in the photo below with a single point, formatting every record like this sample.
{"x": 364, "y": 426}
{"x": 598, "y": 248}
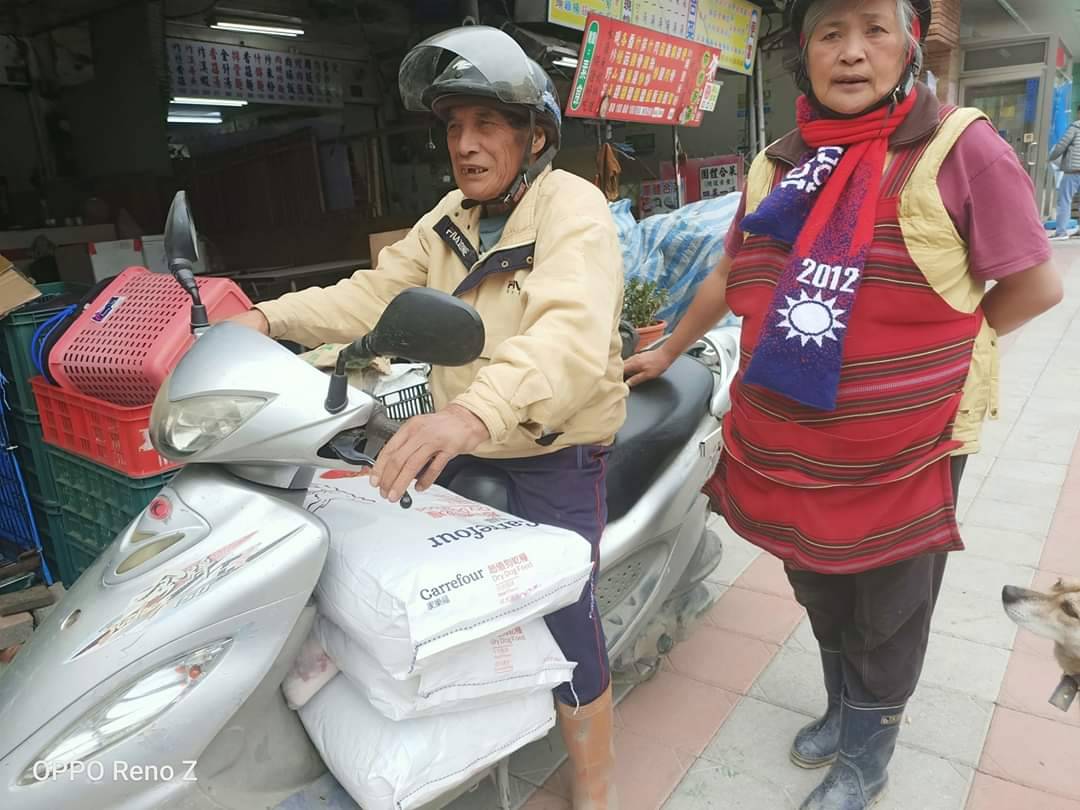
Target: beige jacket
{"x": 550, "y": 295}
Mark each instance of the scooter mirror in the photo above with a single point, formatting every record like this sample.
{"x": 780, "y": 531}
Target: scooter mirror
{"x": 181, "y": 239}
{"x": 428, "y": 326}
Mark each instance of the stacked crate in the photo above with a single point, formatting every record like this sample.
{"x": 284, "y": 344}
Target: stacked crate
{"x": 86, "y": 464}
{"x": 24, "y": 422}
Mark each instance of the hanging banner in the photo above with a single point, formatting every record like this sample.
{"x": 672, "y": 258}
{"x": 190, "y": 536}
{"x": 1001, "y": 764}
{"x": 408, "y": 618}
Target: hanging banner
{"x": 629, "y": 73}
{"x": 728, "y": 26}
{"x": 212, "y": 70}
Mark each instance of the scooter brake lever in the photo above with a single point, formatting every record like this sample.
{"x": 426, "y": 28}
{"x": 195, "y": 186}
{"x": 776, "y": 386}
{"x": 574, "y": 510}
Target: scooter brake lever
{"x": 344, "y": 446}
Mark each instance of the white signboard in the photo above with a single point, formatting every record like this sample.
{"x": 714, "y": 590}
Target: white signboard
{"x": 213, "y": 70}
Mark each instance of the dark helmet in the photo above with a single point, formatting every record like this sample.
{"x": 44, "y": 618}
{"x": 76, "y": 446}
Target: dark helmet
{"x": 462, "y": 78}
{"x": 482, "y": 62}
{"x": 795, "y": 14}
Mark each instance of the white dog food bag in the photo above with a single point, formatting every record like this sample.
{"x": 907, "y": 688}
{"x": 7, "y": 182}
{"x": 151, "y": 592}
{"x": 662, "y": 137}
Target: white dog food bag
{"x": 409, "y": 584}
{"x": 519, "y": 661}
{"x": 388, "y": 765}
{"x": 310, "y": 672}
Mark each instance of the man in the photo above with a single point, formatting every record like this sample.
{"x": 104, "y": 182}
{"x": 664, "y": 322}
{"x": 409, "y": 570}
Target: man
{"x": 535, "y": 251}
{"x": 1068, "y": 149}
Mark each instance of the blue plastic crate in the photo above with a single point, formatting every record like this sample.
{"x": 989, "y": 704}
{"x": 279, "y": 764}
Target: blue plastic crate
{"x": 17, "y": 525}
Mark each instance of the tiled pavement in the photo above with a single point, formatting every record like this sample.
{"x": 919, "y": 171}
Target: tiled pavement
{"x": 711, "y": 731}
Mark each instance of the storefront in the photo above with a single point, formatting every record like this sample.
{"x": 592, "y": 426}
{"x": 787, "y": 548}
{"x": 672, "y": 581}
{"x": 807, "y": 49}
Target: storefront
{"x": 1021, "y": 83}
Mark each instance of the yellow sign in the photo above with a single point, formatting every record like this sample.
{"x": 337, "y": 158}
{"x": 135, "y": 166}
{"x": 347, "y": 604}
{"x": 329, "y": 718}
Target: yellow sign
{"x": 729, "y": 26}
{"x": 572, "y": 13}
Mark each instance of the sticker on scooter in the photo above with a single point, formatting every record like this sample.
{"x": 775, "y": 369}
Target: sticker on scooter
{"x": 177, "y": 588}
{"x": 322, "y": 495}
{"x": 109, "y": 309}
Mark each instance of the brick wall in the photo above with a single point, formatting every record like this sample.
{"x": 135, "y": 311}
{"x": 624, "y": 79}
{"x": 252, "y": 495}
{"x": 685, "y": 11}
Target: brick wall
{"x": 942, "y": 49}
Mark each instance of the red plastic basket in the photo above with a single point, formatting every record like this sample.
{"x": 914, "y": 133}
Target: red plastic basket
{"x": 111, "y": 435}
{"x": 123, "y": 346}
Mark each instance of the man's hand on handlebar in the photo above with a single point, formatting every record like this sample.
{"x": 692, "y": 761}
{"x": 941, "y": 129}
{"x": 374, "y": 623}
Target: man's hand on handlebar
{"x": 432, "y": 440}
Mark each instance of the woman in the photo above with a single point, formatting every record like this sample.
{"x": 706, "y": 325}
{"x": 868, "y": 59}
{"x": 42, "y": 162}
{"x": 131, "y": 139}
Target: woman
{"x": 858, "y": 263}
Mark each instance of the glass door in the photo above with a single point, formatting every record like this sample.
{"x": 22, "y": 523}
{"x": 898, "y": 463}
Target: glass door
{"x": 1013, "y": 107}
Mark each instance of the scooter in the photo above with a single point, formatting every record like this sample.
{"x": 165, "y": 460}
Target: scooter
{"x": 155, "y": 683}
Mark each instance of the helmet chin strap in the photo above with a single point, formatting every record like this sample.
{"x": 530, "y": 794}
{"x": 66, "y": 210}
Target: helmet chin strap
{"x": 903, "y": 89}
{"x": 530, "y": 170}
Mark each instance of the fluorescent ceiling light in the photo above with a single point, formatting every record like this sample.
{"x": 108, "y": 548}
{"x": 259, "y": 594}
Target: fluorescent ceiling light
{"x": 183, "y": 118}
{"x": 210, "y": 102}
{"x": 566, "y": 62}
{"x": 258, "y": 28}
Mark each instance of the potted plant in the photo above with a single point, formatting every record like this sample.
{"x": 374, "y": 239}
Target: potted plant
{"x": 641, "y": 301}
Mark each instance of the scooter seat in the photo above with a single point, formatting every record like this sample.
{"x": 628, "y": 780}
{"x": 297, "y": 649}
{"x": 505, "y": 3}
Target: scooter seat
{"x": 661, "y": 417}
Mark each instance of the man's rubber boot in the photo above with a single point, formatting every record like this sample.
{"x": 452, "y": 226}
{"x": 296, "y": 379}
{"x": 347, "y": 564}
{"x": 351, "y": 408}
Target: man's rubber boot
{"x": 858, "y": 778}
{"x": 589, "y": 734}
{"x": 816, "y": 744}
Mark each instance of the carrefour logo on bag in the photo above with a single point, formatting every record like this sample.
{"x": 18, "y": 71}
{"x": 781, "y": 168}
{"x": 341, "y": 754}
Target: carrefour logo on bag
{"x": 110, "y": 307}
{"x": 591, "y": 38}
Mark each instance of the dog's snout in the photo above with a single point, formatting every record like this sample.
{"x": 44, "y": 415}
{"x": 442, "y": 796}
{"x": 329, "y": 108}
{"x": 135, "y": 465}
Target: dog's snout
{"x": 1010, "y": 594}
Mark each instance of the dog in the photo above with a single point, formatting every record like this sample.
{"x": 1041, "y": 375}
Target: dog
{"x": 1056, "y": 616}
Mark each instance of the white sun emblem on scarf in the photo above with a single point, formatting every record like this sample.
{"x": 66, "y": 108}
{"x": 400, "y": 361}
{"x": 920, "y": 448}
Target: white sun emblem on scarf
{"x": 809, "y": 318}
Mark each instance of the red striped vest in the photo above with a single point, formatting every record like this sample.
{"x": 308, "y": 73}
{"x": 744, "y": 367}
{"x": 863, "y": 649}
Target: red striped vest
{"x": 868, "y": 484}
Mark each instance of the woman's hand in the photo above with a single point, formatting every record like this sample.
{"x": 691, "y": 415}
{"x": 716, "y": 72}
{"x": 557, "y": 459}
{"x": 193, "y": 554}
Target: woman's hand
{"x": 646, "y": 366}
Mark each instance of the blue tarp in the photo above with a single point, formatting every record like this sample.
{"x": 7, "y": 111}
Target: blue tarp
{"x": 676, "y": 250}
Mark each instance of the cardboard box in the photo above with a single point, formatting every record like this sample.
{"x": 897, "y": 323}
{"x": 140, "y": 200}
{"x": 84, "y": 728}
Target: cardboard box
{"x": 15, "y": 290}
{"x": 377, "y": 241}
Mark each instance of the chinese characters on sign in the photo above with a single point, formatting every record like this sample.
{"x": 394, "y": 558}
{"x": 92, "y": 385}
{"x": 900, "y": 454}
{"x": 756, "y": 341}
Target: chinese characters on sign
{"x": 629, "y": 73}
{"x": 730, "y": 26}
{"x": 213, "y": 70}
{"x": 716, "y": 181}
{"x": 707, "y": 178}
{"x": 657, "y": 197}
{"x": 727, "y": 26}
{"x": 572, "y": 13}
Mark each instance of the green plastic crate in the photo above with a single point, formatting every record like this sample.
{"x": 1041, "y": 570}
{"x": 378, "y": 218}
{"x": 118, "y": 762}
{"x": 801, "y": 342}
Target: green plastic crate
{"x": 50, "y": 526}
{"x": 84, "y": 543}
{"x": 35, "y": 462}
{"x": 17, "y": 331}
{"x": 98, "y": 503}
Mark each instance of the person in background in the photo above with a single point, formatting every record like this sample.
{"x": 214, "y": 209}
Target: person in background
{"x": 1068, "y": 151}
{"x": 536, "y": 252}
{"x": 858, "y": 262}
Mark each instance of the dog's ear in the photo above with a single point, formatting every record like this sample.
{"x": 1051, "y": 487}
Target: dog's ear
{"x": 1070, "y": 606}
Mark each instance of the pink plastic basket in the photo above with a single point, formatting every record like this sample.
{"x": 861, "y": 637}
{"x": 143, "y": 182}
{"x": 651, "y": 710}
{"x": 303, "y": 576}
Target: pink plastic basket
{"x": 123, "y": 346}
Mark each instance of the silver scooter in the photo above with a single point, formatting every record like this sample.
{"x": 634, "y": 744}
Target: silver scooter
{"x": 155, "y": 683}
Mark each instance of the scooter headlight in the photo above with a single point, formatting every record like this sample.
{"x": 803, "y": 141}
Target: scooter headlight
{"x": 125, "y": 712}
{"x": 184, "y": 428}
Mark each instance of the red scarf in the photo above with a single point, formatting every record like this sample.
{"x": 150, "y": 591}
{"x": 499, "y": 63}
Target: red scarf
{"x": 826, "y": 207}
{"x": 868, "y": 139}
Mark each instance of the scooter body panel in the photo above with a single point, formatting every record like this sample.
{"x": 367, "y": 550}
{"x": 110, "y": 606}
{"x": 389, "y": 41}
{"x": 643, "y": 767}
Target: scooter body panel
{"x": 247, "y": 581}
